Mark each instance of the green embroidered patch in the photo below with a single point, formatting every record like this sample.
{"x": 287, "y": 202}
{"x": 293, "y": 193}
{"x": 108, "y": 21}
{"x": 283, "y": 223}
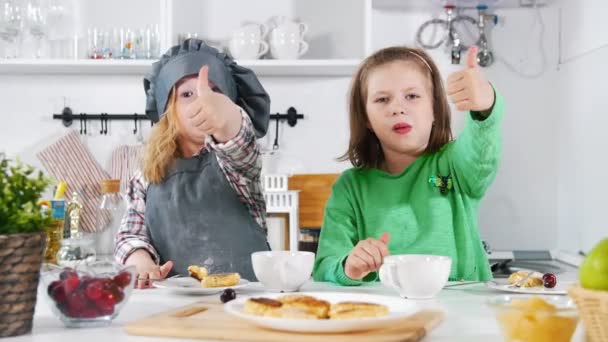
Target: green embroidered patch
{"x": 444, "y": 183}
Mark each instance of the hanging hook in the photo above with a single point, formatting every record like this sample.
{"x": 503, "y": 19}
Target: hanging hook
{"x": 85, "y": 123}
{"x": 105, "y": 130}
{"x": 135, "y": 121}
{"x": 101, "y": 122}
{"x": 80, "y": 117}
{"x": 275, "y": 146}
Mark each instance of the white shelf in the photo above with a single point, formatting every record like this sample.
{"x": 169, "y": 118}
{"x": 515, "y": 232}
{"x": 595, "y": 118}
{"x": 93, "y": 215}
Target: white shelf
{"x": 81, "y": 66}
{"x": 438, "y": 4}
{"x": 302, "y": 67}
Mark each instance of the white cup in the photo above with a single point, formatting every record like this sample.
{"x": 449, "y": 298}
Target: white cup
{"x": 251, "y": 31}
{"x": 247, "y": 48}
{"x": 415, "y": 276}
{"x": 287, "y": 47}
{"x": 282, "y": 271}
{"x": 290, "y": 28}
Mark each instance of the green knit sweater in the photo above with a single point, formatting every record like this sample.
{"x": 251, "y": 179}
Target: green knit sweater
{"x": 412, "y": 208}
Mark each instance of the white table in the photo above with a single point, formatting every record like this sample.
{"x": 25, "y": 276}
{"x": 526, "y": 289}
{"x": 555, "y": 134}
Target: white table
{"x": 467, "y": 318}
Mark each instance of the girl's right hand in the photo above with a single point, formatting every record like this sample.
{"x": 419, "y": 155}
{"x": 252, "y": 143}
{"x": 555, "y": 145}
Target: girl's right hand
{"x": 147, "y": 269}
{"x": 366, "y": 257}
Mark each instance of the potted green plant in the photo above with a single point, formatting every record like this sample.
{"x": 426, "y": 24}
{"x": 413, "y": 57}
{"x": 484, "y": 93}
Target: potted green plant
{"x": 22, "y": 243}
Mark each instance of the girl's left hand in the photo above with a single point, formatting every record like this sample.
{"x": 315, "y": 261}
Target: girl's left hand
{"x": 213, "y": 113}
{"x": 468, "y": 89}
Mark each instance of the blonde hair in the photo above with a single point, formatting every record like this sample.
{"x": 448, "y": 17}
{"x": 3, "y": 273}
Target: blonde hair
{"x": 162, "y": 147}
{"x": 364, "y": 148}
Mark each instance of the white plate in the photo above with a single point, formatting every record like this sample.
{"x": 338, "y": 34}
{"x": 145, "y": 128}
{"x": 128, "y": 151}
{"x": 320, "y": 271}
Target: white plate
{"x": 560, "y": 289}
{"x": 399, "y": 309}
{"x": 190, "y": 285}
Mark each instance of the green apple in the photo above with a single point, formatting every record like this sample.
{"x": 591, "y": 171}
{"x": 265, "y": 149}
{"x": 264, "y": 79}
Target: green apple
{"x": 593, "y": 272}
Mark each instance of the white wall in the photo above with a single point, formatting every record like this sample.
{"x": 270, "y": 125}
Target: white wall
{"x": 551, "y": 133}
{"x": 583, "y": 159}
{"x": 29, "y": 101}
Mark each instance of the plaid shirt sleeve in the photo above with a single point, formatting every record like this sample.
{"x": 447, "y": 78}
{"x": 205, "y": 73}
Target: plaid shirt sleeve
{"x": 241, "y": 163}
{"x": 132, "y": 234}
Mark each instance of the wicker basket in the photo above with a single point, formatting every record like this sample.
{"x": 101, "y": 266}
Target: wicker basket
{"x": 20, "y": 260}
{"x": 593, "y": 309}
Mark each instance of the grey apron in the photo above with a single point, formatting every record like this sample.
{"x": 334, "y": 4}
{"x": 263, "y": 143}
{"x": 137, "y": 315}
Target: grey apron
{"x": 194, "y": 217}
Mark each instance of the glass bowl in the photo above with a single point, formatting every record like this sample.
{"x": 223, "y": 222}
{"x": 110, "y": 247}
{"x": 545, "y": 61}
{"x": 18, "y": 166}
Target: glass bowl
{"x": 535, "y": 318}
{"x": 87, "y": 294}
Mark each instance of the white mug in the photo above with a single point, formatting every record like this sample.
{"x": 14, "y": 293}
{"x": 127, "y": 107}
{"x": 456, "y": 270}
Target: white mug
{"x": 287, "y": 24}
{"x": 416, "y": 276}
{"x": 251, "y": 31}
{"x": 282, "y": 271}
{"x": 287, "y": 47}
{"x": 291, "y": 28}
{"x": 241, "y": 48}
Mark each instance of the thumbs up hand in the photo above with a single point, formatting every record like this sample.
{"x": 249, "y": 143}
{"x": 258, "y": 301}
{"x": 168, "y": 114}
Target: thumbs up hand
{"x": 468, "y": 89}
{"x": 212, "y": 113}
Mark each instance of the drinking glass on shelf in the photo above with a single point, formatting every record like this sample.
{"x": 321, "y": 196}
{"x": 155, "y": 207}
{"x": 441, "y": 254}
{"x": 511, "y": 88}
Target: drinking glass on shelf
{"x": 151, "y": 43}
{"x": 95, "y": 43}
{"x": 140, "y": 46}
{"x": 117, "y": 43}
{"x": 129, "y": 46}
{"x": 11, "y": 26}
{"x": 60, "y": 29}
{"x": 106, "y": 46}
{"x": 155, "y": 42}
{"x": 36, "y": 22}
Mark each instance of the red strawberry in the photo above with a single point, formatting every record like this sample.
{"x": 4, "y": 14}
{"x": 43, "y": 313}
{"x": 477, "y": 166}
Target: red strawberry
{"x": 71, "y": 283}
{"x": 70, "y": 311}
{"x": 123, "y": 279}
{"x": 58, "y": 294}
{"x": 89, "y": 312}
{"x": 105, "y": 307}
{"x": 108, "y": 298}
{"x": 105, "y": 310}
{"x": 118, "y": 293}
{"x": 94, "y": 289}
{"x": 52, "y": 285}
{"x": 77, "y": 302}
{"x": 108, "y": 283}
{"x": 67, "y": 273}
{"x": 106, "y": 302}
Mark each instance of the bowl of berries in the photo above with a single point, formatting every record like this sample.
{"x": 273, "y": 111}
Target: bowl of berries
{"x": 87, "y": 295}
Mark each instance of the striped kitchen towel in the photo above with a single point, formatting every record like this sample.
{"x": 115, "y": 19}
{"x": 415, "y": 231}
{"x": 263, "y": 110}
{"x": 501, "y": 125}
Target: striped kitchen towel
{"x": 125, "y": 161}
{"x": 68, "y": 159}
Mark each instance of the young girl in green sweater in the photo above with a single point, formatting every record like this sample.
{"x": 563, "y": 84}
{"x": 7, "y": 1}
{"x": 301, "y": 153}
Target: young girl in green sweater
{"x": 412, "y": 190}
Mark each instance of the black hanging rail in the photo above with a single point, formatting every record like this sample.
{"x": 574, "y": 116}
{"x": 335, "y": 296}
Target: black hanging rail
{"x": 292, "y": 116}
{"x": 67, "y": 117}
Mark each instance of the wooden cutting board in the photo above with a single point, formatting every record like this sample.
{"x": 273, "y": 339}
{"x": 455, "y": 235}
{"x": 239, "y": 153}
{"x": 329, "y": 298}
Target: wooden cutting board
{"x": 209, "y": 321}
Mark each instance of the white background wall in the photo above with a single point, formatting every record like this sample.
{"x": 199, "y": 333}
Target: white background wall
{"x": 583, "y": 120}
{"x": 549, "y": 190}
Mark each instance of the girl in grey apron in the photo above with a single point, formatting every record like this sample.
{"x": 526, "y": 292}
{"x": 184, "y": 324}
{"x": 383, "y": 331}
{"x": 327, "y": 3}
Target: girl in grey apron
{"x": 198, "y": 199}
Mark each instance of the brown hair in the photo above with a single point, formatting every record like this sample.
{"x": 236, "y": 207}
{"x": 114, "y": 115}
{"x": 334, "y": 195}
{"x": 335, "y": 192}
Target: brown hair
{"x": 162, "y": 148}
{"x": 364, "y": 148}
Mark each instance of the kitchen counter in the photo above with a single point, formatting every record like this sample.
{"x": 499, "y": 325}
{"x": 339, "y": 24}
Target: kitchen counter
{"x": 467, "y": 318}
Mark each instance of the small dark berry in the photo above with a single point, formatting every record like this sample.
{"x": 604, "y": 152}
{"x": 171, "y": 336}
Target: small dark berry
{"x": 228, "y": 295}
{"x": 549, "y": 280}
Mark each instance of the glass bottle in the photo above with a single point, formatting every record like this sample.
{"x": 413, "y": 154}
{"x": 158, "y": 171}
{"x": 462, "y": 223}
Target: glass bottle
{"x": 54, "y": 232}
{"x": 76, "y": 249}
{"x": 110, "y": 210}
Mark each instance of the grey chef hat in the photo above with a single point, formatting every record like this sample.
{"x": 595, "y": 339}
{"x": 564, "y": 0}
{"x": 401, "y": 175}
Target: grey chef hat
{"x": 240, "y": 84}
